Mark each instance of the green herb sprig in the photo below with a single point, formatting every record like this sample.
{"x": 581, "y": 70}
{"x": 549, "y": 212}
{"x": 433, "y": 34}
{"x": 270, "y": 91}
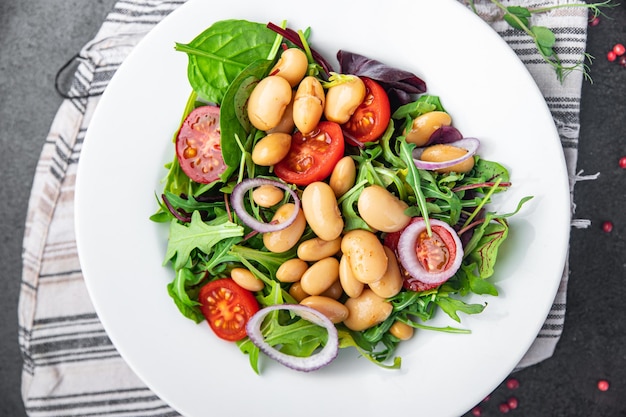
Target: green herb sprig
{"x": 519, "y": 17}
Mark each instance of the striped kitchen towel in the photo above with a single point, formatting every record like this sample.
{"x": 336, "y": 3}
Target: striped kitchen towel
{"x": 70, "y": 366}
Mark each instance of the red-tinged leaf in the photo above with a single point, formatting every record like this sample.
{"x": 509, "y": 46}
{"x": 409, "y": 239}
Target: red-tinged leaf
{"x": 486, "y": 252}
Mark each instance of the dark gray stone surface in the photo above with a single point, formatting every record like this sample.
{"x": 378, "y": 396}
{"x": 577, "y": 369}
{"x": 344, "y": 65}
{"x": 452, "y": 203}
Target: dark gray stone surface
{"x": 37, "y": 37}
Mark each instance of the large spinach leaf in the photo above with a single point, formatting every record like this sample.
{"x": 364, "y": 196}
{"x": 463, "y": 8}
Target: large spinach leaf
{"x": 221, "y": 52}
{"x": 234, "y": 120}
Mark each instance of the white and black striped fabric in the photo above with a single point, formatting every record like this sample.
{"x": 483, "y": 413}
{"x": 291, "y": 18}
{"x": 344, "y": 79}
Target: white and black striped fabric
{"x": 71, "y": 367}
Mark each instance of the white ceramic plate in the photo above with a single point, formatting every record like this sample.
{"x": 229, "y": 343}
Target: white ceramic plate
{"x": 489, "y": 94}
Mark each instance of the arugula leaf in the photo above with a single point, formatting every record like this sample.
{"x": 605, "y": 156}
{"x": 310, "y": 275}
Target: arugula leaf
{"x": 477, "y": 284}
{"x": 413, "y": 178}
{"x": 179, "y": 290}
{"x": 221, "y": 52}
{"x": 452, "y": 306}
{"x": 348, "y": 339}
{"x": 196, "y": 235}
{"x": 424, "y": 104}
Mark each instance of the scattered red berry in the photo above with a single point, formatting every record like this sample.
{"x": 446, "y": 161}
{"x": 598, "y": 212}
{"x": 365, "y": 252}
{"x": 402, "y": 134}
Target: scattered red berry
{"x": 504, "y": 408}
{"x": 594, "y": 21}
{"x": 487, "y": 398}
{"x": 512, "y": 403}
{"x": 607, "y": 226}
{"x": 622, "y": 61}
{"x": 603, "y": 385}
{"x": 622, "y": 162}
{"x": 611, "y": 56}
{"x": 619, "y": 49}
{"x": 512, "y": 383}
{"x": 477, "y": 411}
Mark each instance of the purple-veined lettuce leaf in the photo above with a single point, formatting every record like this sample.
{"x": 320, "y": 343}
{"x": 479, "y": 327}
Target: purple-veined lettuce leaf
{"x": 401, "y": 85}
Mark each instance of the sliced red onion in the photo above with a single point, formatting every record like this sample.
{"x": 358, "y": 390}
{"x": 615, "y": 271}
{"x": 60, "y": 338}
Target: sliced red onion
{"x": 469, "y": 144}
{"x": 239, "y": 193}
{"x": 408, "y": 255}
{"x": 322, "y": 358}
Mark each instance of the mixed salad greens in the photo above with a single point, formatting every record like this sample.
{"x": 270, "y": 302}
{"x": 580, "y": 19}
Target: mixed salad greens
{"x": 217, "y": 229}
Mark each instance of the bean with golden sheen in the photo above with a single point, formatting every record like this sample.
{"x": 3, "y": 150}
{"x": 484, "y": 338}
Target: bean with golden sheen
{"x": 308, "y": 105}
{"x": 343, "y": 176}
{"x": 285, "y": 239}
{"x": 335, "y": 291}
{"x": 365, "y": 255}
{"x": 382, "y": 210}
{"x": 351, "y": 286}
{"x": 268, "y": 101}
{"x": 246, "y": 279}
{"x": 442, "y": 153}
{"x": 292, "y": 66}
{"x": 401, "y": 330}
{"x": 321, "y": 210}
{"x": 320, "y": 276}
{"x": 390, "y": 283}
{"x": 315, "y": 249}
{"x": 366, "y": 310}
{"x": 291, "y": 270}
{"x": 286, "y": 124}
{"x": 333, "y": 309}
{"x": 342, "y": 99}
{"x": 297, "y": 292}
{"x": 424, "y": 125}
{"x": 267, "y": 195}
{"x": 271, "y": 149}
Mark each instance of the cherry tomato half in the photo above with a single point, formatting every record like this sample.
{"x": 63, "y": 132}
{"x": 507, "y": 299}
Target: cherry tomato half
{"x": 436, "y": 253}
{"x": 198, "y": 145}
{"x": 227, "y": 308}
{"x": 370, "y": 120}
{"x": 312, "y": 158}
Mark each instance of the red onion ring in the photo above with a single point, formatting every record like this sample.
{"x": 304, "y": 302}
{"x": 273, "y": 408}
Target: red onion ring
{"x": 238, "y": 195}
{"x": 469, "y": 144}
{"x": 408, "y": 255}
{"x": 306, "y": 364}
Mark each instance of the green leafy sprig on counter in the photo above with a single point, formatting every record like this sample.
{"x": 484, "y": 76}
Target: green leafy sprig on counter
{"x": 519, "y": 17}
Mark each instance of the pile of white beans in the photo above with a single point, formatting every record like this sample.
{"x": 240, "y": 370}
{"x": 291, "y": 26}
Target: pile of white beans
{"x": 352, "y": 266}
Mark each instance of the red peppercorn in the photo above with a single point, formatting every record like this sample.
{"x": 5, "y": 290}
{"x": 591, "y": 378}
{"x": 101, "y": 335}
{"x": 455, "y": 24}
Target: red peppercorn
{"x": 504, "y": 408}
{"x": 512, "y": 383}
{"x": 594, "y": 21}
{"x": 603, "y": 385}
{"x": 622, "y": 61}
{"x": 607, "y": 226}
{"x": 611, "y": 56}
{"x": 622, "y": 162}
{"x": 477, "y": 411}
{"x": 619, "y": 49}
{"x": 512, "y": 402}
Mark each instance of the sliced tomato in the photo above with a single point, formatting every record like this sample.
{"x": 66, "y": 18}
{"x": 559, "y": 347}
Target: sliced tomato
{"x": 227, "y": 308}
{"x": 312, "y": 157}
{"x": 370, "y": 120}
{"x": 198, "y": 145}
{"x": 435, "y": 253}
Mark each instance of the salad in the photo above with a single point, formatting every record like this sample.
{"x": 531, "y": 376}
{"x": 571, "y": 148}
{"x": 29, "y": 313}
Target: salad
{"x": 313, "y": 209}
